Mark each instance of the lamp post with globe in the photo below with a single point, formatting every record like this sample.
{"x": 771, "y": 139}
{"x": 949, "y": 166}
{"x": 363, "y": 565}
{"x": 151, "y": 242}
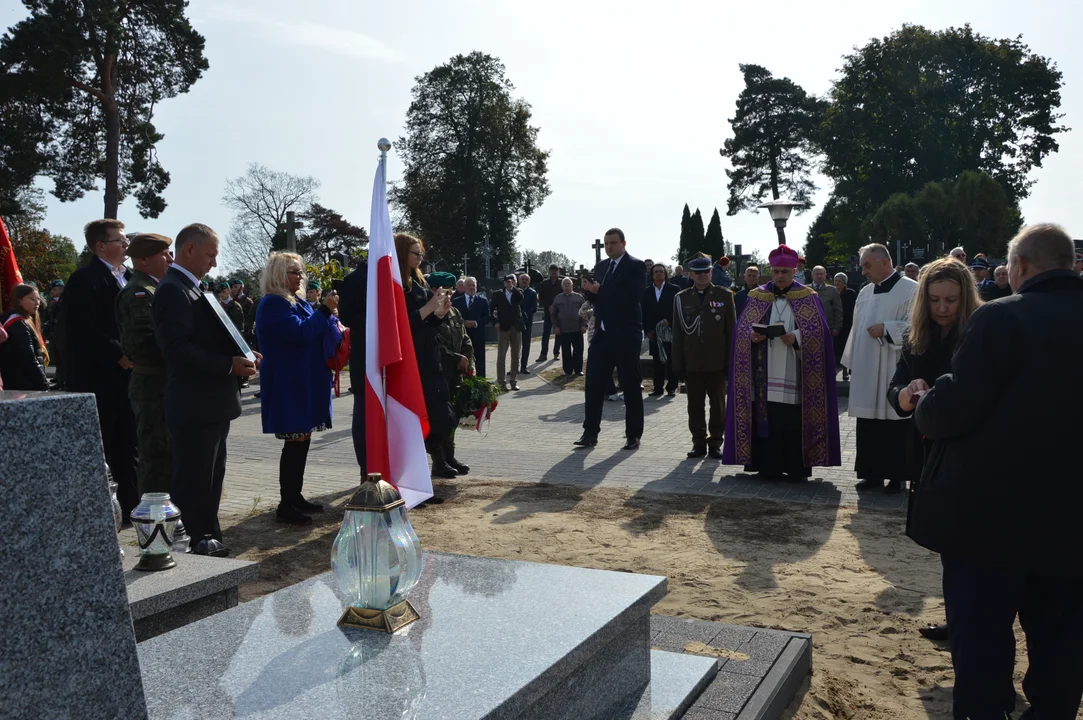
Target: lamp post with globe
{"x": 780, "y": 212}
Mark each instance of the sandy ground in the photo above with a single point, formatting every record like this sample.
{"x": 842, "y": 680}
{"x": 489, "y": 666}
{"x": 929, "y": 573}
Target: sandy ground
{"x": 848, "y": 577}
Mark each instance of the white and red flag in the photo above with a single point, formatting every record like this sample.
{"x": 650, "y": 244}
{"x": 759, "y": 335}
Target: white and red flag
{"x": 396, "y": 422}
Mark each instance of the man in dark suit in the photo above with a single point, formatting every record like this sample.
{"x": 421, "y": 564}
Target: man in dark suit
{"x": 658, "y": 309}
{"x": 1008, "y": 532}
{"x": 616, "y": 294}
{"x": 351, "y": 310}
{"x": 98, "y": 365}
{"x": 506, "y": 312}
{"x": 201, "y": 392}
{"x": 475, "y": 311}
{"x": 752, "y": 281}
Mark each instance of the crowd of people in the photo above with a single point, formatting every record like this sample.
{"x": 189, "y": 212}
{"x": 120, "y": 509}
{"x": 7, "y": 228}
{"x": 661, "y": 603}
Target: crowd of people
{"x": 943, "y": 363}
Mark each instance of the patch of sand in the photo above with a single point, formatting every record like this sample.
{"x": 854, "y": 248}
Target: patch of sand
{"x": 849, "y": 577}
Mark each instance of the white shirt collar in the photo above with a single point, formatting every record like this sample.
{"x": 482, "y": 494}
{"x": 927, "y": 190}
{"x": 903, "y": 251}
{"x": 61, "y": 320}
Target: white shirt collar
{"x": 115, "y": 269}
{"x": 190, "y": 276}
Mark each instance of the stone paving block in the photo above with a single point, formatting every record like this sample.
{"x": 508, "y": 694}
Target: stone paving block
{"x": 728, "y": 692}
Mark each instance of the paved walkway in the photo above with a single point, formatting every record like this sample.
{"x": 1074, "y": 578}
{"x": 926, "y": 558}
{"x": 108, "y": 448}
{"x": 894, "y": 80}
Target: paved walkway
{"x": 530, "y": 440}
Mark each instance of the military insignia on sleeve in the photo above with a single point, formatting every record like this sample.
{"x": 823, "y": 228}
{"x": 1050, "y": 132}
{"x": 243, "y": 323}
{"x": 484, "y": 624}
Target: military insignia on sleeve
{"x": 140, "y": 294}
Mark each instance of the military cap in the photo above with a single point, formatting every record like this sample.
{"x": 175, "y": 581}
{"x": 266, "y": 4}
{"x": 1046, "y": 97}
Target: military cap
{"x": 222, "y": 286}
{"x": 235, "y": 281}
{"x": 56, "y": 283}
{"x": 314, "y": 285}
{"x": 700, "y": 264}
{"x": 144, "y": 245}
{"x": 441, "y": 280}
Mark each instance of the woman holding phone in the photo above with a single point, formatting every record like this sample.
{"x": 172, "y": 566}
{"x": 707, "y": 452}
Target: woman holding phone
{"x": 945, "y": 300}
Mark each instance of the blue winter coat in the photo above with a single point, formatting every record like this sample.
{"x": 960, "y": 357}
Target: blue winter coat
{"x": 295, "y": 382}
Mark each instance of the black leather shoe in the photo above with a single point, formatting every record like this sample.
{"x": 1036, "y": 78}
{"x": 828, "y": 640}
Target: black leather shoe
{"x": 308, "y": 507}
{"x": 656, "y": 393}
{"x": 697, "y": 452}
{"x": 442, "y": 470}
{"x": 714, "y": 454}
{"x": 459, "y": 467}
{"x": 894, "y": 487}
{"x": 524, "y": 371}
{"x": 865, "y": 485}
{"x": 632, "y": 444}
{"x": 291, "y": 515}
{"x": 936, "y": 632}
{"x": 586, "y": 441}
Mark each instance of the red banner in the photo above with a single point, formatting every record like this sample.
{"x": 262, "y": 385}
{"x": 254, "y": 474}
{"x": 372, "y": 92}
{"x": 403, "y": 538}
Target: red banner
{"x": 9, "y": 268}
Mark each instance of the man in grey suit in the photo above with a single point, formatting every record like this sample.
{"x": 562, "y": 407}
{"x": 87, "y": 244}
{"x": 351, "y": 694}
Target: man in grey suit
{"x": 829, "y": 298}
{"x": 201, "y": 391}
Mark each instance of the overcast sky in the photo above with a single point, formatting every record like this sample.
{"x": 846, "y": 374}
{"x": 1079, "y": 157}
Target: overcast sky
{"x": 632, "y": 98}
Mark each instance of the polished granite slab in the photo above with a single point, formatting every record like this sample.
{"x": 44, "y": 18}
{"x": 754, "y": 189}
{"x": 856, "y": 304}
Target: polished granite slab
{"x": 67, "y": 636}
{"x": 496, "y": 639}
{"x": 676, "y": 681}
{"x": 198, "y": 587}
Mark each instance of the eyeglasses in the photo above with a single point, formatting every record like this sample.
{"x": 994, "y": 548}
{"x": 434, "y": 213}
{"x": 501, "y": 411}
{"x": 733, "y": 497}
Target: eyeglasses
{"x": 295, "y": 272}
{"x": 418, "y": 255}
{"x": 122, "y": 239}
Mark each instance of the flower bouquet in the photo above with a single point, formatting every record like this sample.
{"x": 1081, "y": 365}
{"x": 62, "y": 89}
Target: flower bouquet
{"x": 475, "y": 401}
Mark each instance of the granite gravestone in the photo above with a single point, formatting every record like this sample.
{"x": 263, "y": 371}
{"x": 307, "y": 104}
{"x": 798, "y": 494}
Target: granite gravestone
{"x": 67, "y": 648}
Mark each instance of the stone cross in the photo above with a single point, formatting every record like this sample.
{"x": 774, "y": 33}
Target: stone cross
{"x": 740, "y": 259}
{"x": 598, "y": 245}
{"x": 290, "y": 227}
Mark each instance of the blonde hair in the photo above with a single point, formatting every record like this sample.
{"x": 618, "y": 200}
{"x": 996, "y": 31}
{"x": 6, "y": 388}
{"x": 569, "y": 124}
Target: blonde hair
{"x": 922, "y": 327}
{"x": 275, "y": 281}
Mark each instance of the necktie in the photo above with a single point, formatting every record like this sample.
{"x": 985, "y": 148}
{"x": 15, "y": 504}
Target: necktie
{"x": 609, "y": 271}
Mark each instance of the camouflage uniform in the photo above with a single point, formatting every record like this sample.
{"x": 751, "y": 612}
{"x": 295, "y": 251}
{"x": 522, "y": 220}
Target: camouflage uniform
{"x": 235, "y": 312}
{"x": 146, "y": 387}
{"x": 454, "y": 342}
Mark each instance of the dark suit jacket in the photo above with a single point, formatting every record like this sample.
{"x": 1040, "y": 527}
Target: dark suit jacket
{"x": 508, "y": 315}
{"x": 618, "y": 302}
{"x": 478, "y": 312}
{"x": 93, "y": 339}
{"x": 654, "y": 311}
{"x": 198, "y": 354}
{"x": 1020, "y": 512}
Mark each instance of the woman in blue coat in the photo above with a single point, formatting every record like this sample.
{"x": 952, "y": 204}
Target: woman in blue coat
{"x": 295, "y": 382}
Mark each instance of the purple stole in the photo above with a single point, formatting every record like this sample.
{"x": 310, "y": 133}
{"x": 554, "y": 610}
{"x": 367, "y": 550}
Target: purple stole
{"x": 746, "y": 408}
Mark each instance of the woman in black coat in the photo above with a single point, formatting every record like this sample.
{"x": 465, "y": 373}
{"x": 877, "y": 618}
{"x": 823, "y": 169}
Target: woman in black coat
{"x": 945, "y": 299}
{"x": 23, "y": 355}
{"x": 426, "y": 311}
{"x": 849, "y": 299}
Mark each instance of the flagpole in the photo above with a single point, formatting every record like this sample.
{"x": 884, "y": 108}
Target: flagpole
{"x": 384, "y": 145}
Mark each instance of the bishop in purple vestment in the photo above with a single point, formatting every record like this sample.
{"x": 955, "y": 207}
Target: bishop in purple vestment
{"x": 782, "y": 412}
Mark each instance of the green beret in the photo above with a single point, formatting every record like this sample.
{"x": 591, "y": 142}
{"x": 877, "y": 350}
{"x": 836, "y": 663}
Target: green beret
{"x": 56, "y": 283}
{"x": 441, "y": 280}
{"x": 314, "y": 285}
{"x": 223, "y": 286}
{"x": 144, "y": 245}
{"x": 235, "y": 281}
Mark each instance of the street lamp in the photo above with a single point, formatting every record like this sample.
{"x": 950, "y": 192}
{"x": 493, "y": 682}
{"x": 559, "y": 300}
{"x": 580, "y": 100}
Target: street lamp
{"x": 780, "y": 212}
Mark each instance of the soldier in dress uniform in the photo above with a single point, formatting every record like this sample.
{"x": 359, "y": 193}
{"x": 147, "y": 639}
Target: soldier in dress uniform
{"x": 456, "y": 357}
{"x": 703, "y": 321}
{"x": 151, "y": 257}
{"x": 233, "y": 309}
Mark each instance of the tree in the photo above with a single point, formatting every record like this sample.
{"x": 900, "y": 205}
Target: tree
{"x": 919, "y": 106}
{"x": 327, "y": 233}
{"x": 81, "y": 79}
{"x": 688, "y": 242}
{"x": 471, "y": 159}
{"x": 260, "y": 200}
{"x": 771, "y": 148}
{"x": 713, "y": 243}
{"x": 696, "y": 232}
{"x": 42, "y": 256}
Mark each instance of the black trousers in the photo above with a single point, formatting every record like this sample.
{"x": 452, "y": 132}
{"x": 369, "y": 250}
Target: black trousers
{"x": 524, "y": 348}
{"x": 981, "y": 604}
{"x": 547, "y": 329}
{"x": 782, "y": 451}
{"x": 199, "y": 468}
{"x": 571, "y": 344}
{"x": 664, "y": 375}
{"x": 477, "y": 339}
{"x": 609, "y": 351}
{"x": 118, "y": 427}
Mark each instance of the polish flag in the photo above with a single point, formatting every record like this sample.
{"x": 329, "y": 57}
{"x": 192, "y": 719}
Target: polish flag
{"x": 396, "y": 422}
{"x": 9, "y": 268}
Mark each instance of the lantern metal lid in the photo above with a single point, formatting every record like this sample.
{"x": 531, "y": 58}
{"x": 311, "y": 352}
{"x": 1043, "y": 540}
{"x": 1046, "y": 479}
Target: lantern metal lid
{"x": 375, "y": 495}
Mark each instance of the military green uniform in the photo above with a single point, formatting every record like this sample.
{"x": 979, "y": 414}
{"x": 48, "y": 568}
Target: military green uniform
{"x": 702, "y": 334}
{"x": 454, "y": 342}
{"x": 235, "y": 313}
{"x": 146, "y": 387}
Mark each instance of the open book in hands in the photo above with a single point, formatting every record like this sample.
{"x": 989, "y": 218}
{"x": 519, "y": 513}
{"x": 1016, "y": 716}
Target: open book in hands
{"x": 776, "y": 330}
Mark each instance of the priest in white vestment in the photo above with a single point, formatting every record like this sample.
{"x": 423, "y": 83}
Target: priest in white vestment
{"x": 881, "y": 323}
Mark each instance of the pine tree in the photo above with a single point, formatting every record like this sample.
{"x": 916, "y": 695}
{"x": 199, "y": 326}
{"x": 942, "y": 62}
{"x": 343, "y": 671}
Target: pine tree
{"x": 686, "y": 240}
{"x": 713, "y": 242}
{"x": 696, "y": 233}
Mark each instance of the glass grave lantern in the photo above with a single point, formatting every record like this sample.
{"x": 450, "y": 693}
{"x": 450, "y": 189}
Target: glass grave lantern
{"x": 376, "y": 558}
{"x": 155, "y": 520}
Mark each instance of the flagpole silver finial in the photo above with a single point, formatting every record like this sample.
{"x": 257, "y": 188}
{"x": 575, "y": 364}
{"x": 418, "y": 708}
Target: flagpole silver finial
{"x": 383, "y": 144}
